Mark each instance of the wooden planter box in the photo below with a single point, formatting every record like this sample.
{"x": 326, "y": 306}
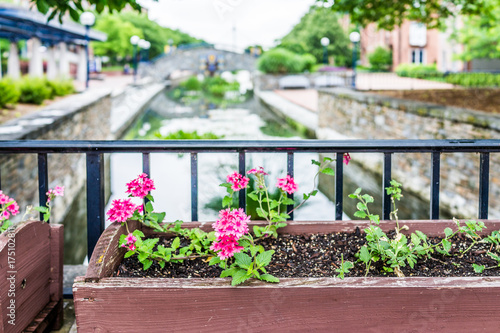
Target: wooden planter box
{"x": 112, "y": 304}
{"x": 31, "y": 271}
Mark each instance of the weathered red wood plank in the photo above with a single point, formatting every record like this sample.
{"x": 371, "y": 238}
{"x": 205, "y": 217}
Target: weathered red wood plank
{"x": 294, "y": 305}
{"x": 56, "y": 273}
{"x": 29, "y": 270}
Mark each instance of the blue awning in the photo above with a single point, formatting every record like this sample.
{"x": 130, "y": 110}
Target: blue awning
{"x": 20, "y": 23}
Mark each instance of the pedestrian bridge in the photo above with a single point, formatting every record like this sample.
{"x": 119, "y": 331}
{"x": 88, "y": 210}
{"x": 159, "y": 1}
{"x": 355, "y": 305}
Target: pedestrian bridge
{"x": 194, "y": 59}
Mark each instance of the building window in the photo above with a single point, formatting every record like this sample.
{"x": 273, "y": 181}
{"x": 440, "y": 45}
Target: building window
{"x": 418, "y": 56}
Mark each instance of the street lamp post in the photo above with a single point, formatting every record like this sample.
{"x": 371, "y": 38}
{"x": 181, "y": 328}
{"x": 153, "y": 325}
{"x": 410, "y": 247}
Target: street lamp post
{"x": 134, "y": 40}
{"x": 354, "y": 37}
{"x": 325, "y": 42}
{"x": 88, "y": 20}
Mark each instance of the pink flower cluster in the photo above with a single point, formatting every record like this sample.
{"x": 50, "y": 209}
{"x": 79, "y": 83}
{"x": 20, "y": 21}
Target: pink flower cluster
{"x": 122, "y": 209}
{"x": 347, "y": 158}
{"x": 141, "y": 186}
{"x": 257, "y": 171}
{"x": 57, "y": 191}
{"x": 130, "y": 245}
{"x": 12, "y": 209}
{"x": 287, "y": 184}
{"x": 231, "y": 225}
{"x": 237, "y": 181}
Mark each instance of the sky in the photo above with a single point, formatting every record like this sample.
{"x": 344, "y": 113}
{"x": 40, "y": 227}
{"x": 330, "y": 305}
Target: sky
{"x": 255, "y": 21}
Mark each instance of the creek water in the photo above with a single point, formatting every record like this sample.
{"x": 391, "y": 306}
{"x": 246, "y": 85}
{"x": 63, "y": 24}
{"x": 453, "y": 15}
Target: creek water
{"x": 247, "y": 120}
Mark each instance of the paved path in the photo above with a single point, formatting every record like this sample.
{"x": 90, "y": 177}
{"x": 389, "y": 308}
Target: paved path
{"x": 307, "y": 98}
{"x": 391, "y": 81}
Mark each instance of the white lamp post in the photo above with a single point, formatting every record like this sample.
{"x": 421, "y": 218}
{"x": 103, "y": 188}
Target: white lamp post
{"x": 354, "y": 37}
{"x": 325, "y": 42}
{"x": 134, "y": 40}
{"x": 88, "y": 20}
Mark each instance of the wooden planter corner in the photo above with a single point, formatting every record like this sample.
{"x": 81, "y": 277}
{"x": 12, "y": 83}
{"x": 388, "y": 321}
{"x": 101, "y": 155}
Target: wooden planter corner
{"x": 112, "y": 304}
{"x": 31, "y": 270}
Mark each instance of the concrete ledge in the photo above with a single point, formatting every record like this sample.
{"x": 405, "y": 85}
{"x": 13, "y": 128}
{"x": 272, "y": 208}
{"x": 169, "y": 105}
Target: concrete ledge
{"x": 452, "y": 113}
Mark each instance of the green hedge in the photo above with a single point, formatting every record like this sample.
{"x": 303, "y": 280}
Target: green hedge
{"x": 34, "y": 90}
{"x": 282, "y": 61}
{"x": 191, "y": 84}
{"x": 474, "y": 79}
{"x": 9, "y": 92}
{"x": 61, "y": 87}
{"x": 380, "y": 59}
{"x": 418, "y": 71}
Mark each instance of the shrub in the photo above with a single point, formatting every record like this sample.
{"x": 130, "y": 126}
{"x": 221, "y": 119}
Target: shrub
{"x": 417, "y": 70}
{"x": 34, "y": 90}
{"x": 191, "y": 84}
{"x": 380, "y": 59}
{"x": 218, "y": 87}
{"x": 280, "y": 61}
{"x": 474, "y": 79}
{"x": 61, "y": 87}
{"x": 308, "y": 62}
{"x": 9, "y": 92}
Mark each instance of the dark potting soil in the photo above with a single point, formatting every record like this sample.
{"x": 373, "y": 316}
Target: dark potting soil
{"x": 318, "y": 255}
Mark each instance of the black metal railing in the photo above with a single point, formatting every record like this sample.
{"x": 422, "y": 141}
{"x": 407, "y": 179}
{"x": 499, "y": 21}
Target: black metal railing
{"x": 95, "y": 150}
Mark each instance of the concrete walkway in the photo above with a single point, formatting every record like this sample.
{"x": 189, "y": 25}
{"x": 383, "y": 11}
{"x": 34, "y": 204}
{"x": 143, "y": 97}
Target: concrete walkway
{"x": 307, "y": 98}
{"x": 391, "y": 81}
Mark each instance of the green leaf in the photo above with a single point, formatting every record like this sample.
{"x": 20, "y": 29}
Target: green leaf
{"x": 264, "y": 258}
{"x": 129, "y": 254}
{"x": 415, "y": 239}
{"x": 214, "y": 261}
{"x": 364, "y": 254}
{"x": 142, "y": 257}
{"x": 281, "y": 225}
{"x": 158, "y": 217}
{"x": 360, "y": 214}
{"x": 448, "y": 232}
{"x": 41, "y": 209}
{"x": 494, "y": 256}
{"x": 478, "y": 268}
{"x": 258, "y": 230}
{"x": 150, "y": 198}
{"x": 421, "y": 235}
{"x": 43, "y": 6}
{"x": 361, "y": 206}
{"x": 176, "y": 243}
{"x": 328, "y": 171}
{"x": 446, "y": 245}
{"x": 253, "y": 196}
{"x": 227, "y": 201}
{"x": 262, "y": 213}
{"x": 368, "y": 198}
{"x": 162, "y": 264}
{"x": 228, "y": 272}
{"x": 147, "y": 263}
{"x": 148, "y": 207}
{"x": 239, "y": 277}
{"x": 243, "y": 260}
{"x": 315, "y": 162}
{"x": 269, "y": 278}
{"x": 288, "y": 201}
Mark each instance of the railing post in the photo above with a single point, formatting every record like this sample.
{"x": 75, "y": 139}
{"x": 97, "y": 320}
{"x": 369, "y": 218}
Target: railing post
{"x": 339, "y": 186}
{"x": 289, "y": 168}
{"x": 95, "y": 199}
{"x": 387, "y": 174}
{"x": 484, "y": 184}
{"x": 194, "y": 186}
{"x": 146, "y": 164}
{"x": 242, "y": 194}
{"x": 43, "y": 181}
{"x": 435, "y": 166}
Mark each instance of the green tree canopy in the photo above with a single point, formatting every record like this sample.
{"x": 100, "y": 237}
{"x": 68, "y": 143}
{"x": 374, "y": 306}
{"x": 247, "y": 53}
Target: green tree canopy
{"x": 120, "y": 27}
{"x": 480, "y": 34}
{"x": 389, "y": 14}
{"x": 305, "y": 37}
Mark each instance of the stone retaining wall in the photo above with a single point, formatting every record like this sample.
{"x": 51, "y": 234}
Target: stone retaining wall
{"x": 345, "y": 114}
{"x": 79, "y": 117}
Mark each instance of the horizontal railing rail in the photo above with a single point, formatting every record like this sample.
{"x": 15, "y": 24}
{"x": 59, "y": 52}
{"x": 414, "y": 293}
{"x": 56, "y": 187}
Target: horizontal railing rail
{"x": 95, "y": 150}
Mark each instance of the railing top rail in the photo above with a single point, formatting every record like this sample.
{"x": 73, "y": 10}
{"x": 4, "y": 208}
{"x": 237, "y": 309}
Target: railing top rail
{"x": 352, "y": 146}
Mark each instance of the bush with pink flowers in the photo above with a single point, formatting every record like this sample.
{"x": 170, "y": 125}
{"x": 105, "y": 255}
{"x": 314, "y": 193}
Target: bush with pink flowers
{"x": 230, "y": 245}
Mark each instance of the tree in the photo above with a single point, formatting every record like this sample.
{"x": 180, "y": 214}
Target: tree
{"x": 389, "y": 14}
{"x": 380, "y": 59}
{"x": 120, "y": 27}
{"x": 305, "y": 37}
{"x": 480, "y": 35}
{"x": 75, "y": 7}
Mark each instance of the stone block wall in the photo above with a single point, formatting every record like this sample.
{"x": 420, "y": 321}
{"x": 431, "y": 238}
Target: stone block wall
{"x": 346, "y": 114}
{"x": 79, "y": 117}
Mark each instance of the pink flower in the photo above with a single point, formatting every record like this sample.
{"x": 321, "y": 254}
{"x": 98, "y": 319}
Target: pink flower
{"x": 14, "y": 208}
{"x": 3, "y": 198}
{"x": 130, "y": 247}
{"x": 347, "y": 158}
{"x": 131, "y": 239}
{"x": 5, "y": 214}
{"x": 259, "y": 171}
{"x": 231, "y": 225}
{"x": 287, "y": 184}
{"x": 57, "y": 191}
{"x": 11, "y": 209}
{"x": 141, "y": 186}
{"x": 122, "y": 209}
{"x": 237, "y": 181}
